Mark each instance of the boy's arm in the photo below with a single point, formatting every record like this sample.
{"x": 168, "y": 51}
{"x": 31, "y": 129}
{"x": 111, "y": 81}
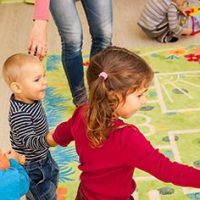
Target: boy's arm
{"x": 25, "y": 132}
{"x": 49, "y": 139}
{"x": 173, "y": 20}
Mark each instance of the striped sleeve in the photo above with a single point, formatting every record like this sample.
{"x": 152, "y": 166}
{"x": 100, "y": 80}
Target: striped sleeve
{"x": 174, "y": 20}
{"x": 23, "y": 132}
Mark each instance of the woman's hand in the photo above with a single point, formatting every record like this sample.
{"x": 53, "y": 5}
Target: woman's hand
{"x": 37, "y": 44}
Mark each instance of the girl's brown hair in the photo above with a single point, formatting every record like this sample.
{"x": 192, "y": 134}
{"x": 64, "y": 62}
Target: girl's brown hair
{"x": 126, "y": 72}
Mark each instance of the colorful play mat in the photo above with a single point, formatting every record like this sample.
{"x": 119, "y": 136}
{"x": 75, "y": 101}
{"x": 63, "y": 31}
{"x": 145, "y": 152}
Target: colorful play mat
{"x": 170, "y": 119}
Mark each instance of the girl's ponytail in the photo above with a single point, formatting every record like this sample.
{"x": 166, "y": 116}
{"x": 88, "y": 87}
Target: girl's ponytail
{"x": 112, "y": 74}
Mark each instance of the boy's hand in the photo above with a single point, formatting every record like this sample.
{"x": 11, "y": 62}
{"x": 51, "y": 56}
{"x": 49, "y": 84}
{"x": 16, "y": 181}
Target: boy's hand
{"x": 12, "y": 154}
{"x": 49, "y": 139}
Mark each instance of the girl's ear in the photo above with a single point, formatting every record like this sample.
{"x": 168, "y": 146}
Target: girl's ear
{"x": 15, "y": 87}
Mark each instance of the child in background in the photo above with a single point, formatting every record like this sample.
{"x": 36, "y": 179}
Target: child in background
{"x": 110, "y": 149}
{"x": 14, "y": 179}
{"x": 25, "y": 76}
{"x": 162, "y": 20}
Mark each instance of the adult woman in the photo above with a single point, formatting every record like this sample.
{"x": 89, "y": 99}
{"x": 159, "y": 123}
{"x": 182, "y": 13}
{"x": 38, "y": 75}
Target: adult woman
{"x": 65, "y": 14}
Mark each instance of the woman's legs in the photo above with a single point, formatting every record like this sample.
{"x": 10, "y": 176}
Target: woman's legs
{"x": 68, "y": 23}
{"x": 99, "y": 16}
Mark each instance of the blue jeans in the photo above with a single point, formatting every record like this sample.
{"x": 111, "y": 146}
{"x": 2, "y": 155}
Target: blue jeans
{"x": 43, "y": 176}
{"x": 99, "y": 17}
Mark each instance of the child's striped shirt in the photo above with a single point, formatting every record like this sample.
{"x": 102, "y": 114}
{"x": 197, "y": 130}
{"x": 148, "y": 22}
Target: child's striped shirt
{"x": 29, "y": 127}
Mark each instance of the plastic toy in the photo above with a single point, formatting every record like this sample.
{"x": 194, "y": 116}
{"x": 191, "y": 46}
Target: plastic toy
{"x": 194, "y": 13}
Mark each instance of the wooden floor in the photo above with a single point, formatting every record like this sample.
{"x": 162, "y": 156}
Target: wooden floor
{"x": 15, "y": 25}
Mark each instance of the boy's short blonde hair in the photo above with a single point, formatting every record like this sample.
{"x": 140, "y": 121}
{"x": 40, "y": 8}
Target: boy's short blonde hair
{"x": 13, "y": 65}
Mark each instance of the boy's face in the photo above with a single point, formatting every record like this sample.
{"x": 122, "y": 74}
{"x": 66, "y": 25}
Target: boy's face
{"x": 32, "y": 83}
{"x": 132, "y": 104}
{"x": 4, "y": 162}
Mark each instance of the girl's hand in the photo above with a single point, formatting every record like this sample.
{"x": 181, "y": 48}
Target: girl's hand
{"x": 37, "y": 44}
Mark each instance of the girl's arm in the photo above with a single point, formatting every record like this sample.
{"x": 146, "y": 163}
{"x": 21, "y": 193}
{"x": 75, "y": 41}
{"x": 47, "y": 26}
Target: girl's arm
{"x": 168, "y": 171}
{"x": 139, "y": 153}
{"x": 62, "y": 134}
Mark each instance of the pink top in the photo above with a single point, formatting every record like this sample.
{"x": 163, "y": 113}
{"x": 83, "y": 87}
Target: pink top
{"x": 107, "y": 171}
{"x": 41, "y": 9}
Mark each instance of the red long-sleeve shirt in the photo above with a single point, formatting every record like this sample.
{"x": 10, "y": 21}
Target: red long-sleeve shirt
{"x": 107, "y": 171}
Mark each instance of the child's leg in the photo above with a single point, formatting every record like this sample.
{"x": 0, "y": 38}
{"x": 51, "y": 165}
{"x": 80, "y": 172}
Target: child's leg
{"x": 55, "y": 172}
{"x": 162, "y": 35}
{"x": 44, "y": 177}
{"x": 167, "y": 37}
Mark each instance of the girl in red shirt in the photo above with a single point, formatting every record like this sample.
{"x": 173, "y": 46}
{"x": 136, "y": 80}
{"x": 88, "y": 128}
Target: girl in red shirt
{"x": 110, "y": 149}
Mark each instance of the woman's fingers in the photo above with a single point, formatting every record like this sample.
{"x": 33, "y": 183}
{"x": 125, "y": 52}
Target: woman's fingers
{"x": 37, "y": 49}
{"x": 33, "y": 49}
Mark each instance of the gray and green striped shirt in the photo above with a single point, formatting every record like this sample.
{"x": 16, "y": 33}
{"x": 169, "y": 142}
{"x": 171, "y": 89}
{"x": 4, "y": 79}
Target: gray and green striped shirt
{"x": 161, "y": 13}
